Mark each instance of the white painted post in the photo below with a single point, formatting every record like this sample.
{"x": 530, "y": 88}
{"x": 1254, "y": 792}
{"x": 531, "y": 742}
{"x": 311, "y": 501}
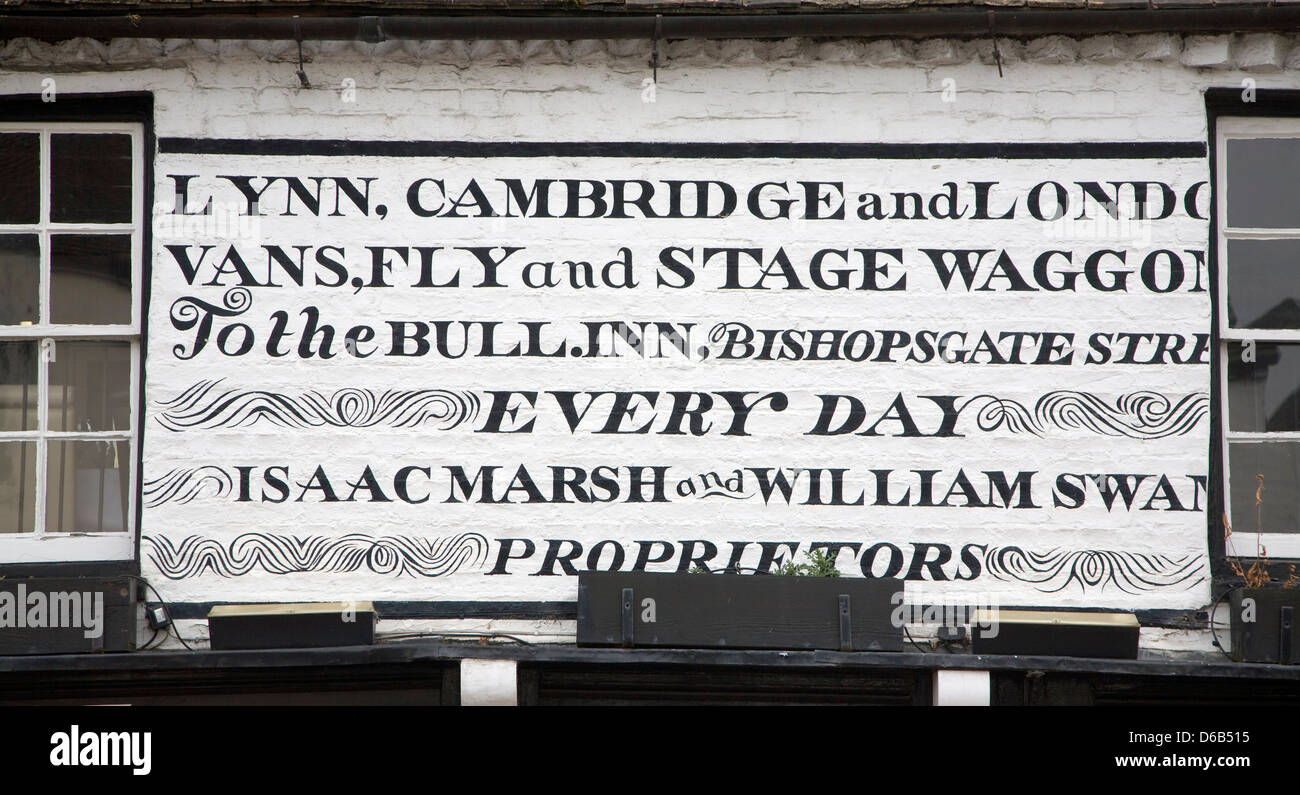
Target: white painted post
{"x": 488, "y": 683}
{"x": 962, "y": 689}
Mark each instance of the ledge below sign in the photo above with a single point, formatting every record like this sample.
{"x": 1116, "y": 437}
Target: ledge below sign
{"x": 734, "y": 611}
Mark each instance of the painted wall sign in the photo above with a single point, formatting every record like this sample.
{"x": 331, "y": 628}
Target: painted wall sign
{"x": 423, "y": 371}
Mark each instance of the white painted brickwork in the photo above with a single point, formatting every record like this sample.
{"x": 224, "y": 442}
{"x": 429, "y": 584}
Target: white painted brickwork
{"x": 1052, "y": 89}
{"x": 1144, "y": 87}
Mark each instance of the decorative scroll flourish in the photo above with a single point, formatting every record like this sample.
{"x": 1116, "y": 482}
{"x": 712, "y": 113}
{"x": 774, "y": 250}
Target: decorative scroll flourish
{"x": 183, "y": 485}
{"x": 998, "y": 412}
{"x": 402, "y": 556}
{"x": 704, "y": 495}
{"x": 206, "y": 405}
{"x": 1130, "y": 572}
{"x": 1137, "y": 415}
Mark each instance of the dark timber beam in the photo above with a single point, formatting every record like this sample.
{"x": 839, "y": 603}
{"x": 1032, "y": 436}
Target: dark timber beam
{"x": 868, "y": 24}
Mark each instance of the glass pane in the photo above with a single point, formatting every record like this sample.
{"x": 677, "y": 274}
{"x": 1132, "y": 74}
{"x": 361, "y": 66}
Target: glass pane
{"x": 1264, "y": 394}
{"x": 1279, "y": 463}
{"x": 20, "y": 279}
{"x": 90, "y": 279}
{"x": 1264, "y": 284}
{"x": 87, "y": 487}
{"x": 90, "y": 386}
{"x": 1262, "y": 173}
{"x": 90, "y": 178}
{"x": 20, "y": 162}
{"x": 18, "y": 386}
{"x": 17, "y": 487}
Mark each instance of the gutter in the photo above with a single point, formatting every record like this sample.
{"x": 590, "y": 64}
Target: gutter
{"x": 915, "y": 24}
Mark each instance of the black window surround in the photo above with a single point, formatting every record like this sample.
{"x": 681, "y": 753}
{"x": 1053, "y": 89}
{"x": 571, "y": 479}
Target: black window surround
{"x": 1237, "y": 102}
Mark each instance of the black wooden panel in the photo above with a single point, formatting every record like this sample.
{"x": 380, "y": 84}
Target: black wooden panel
{"x": 1041, "y": 689}
{"x": 1057, "y": 634}
{"x": 1266, "y": 637}
{"x": 89, "y": 568}
{"x": 67, "y": 615}
{"x": 738, "y": 611}
{"x": 1059, "y": 641}
{"x": 554, "y": 684}
{"x": 1044, "y": 688}
{"x": 386, "y": 684}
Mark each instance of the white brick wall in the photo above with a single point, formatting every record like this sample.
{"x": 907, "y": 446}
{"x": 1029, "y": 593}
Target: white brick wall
{"x": 1103, "y": 88}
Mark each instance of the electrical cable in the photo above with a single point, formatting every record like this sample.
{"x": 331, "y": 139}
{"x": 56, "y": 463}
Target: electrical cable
{"x": 1214, "y": 632}
{"x": 912, "y": 640}
{"x": 172, "y": 628}
{"x": 477, "y": 635}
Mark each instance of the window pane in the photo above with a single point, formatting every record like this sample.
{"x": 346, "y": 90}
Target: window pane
{"x": 87, "y": 487}
{"x": 90, "y": 178}
{"x": 20, "y": 279}
{"x": 90, "y": 386}
{"x": 17, "y": 487}
{"x": 1264, "y": 394}
{"x": 1279, "y": 463}
{"x": 18, "y": 386}
{"x": 1264, "y": 284}
{"x": 20, "y": 156}
{"x": 1262, "y": 173}
{"x": 90, "y": 279}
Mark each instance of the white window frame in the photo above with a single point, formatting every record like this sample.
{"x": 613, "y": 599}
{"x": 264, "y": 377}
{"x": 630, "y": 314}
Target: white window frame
{"x": 40, "y": 546}
{"x": 1244, "y": 541}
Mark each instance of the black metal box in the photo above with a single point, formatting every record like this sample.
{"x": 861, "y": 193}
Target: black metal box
{"x": 1264, "y": 625}
{"x": 1058, "y": 634}
{"x": 291, "y": 626}
{"x": 738, "y": 611}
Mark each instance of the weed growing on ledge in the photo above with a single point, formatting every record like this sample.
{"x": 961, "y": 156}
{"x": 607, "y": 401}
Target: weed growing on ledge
{"x": 819, "y": 565}
{"x": 1256, "y": 574}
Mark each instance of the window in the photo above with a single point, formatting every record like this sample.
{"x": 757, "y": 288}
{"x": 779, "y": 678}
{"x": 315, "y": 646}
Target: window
{"x": 71, "y": 243}
{"x": 1258, "y": 253}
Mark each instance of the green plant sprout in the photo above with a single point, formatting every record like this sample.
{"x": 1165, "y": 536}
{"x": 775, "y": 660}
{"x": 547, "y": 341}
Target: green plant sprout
{"x": 819, "y": 565}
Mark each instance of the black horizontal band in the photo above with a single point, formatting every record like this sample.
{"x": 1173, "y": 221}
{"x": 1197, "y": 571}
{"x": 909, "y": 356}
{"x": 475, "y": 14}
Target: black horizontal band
{"x": 1108, "y": 150}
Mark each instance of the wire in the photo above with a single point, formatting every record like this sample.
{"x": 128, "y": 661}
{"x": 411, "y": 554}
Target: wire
{"x": 1214, "y": 608}
{"x": 172, "y": 628}
{"x": 478, "y": 635}
{"x": 908, "y": 633}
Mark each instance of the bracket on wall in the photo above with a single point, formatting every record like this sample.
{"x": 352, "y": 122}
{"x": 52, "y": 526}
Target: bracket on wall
{"x": 993, "y": 34}
{"x": 654, "y": 48}
{"x": 1284, "y": 624}
{"x": 297, "y": 34}
{"x": 628, "y": 618}
{"x": 846, "y": 623}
